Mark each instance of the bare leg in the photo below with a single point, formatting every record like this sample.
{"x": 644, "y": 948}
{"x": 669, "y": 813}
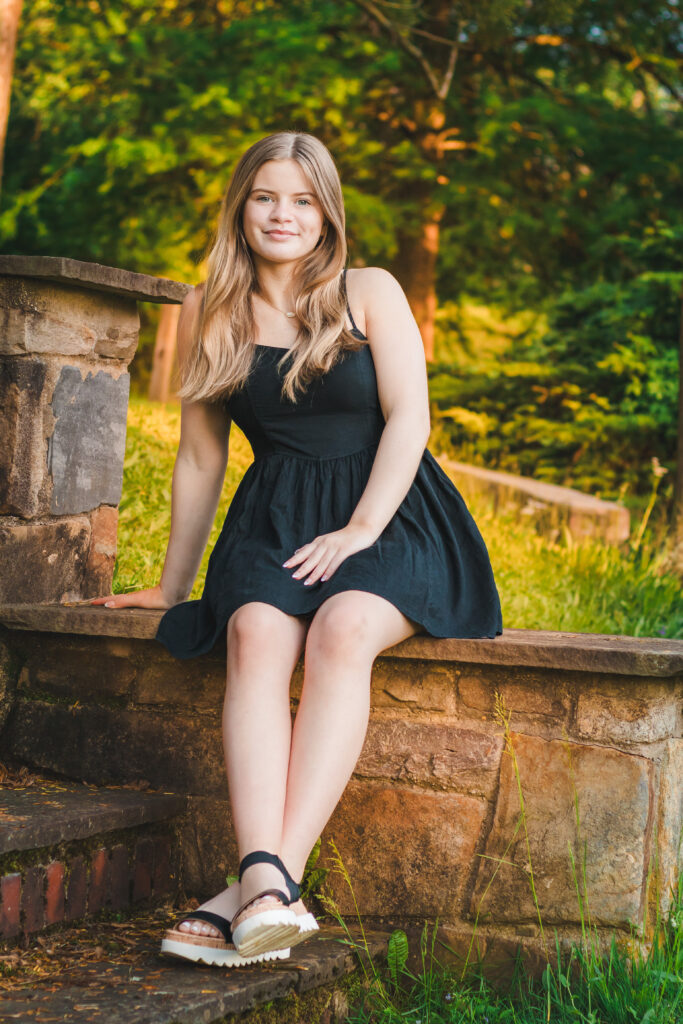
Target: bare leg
{"x": 346, "y": 634}
{"x": 263, "y": 647}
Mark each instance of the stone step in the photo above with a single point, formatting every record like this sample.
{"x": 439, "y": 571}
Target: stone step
{"x": 114, "y": 972}
{"x": 70, "y": 850}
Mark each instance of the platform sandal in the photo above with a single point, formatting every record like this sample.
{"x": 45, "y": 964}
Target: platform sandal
{"x": 274, "y": 927}
{"x": 209, "y": 949}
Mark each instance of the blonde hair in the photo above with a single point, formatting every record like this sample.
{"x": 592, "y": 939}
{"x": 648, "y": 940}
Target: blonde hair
{"x": 222, "y": 351}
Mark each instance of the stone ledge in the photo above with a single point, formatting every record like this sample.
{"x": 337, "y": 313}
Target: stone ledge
{"x": 577, "y": 652}
{"x": 95, "y": 276}
{"x": 54, "y": 813}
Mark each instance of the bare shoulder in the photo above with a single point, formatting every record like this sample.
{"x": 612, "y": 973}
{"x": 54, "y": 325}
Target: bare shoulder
{"x": 373, "y": 294}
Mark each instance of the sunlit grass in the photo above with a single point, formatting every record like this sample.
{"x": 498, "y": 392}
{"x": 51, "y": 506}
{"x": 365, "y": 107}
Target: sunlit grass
{"x": 565, "y": 586}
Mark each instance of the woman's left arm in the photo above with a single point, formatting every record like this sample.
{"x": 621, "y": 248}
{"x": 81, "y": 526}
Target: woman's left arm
{"x": 398, "y": 355}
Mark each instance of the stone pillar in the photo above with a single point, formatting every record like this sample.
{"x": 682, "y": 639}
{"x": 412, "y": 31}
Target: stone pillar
{"x": 68, "y": 331}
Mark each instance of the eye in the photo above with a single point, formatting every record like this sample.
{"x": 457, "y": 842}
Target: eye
{"x": 305, "y": 201}
{"x": 261, "y": 197}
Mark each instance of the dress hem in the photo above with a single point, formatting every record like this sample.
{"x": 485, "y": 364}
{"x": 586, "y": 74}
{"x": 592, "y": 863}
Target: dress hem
{"x": 205, "y": 647}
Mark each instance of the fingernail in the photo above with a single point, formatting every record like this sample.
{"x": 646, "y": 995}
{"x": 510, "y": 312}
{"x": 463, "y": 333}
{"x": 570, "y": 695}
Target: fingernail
{"x": 323, "y": 577}
{"x": 108, "y": 604}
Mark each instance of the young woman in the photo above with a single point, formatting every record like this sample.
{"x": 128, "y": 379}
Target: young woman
{"x": 343, "y": 538}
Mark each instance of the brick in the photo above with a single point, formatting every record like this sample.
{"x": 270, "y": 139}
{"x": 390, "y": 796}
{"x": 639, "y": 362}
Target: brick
{"x": 143, "y": 870}
{"x": 77, "y": 889}
{"x": 10, "y": 902}
{"x": 98, "y": 890}
{"x": 32, "y": 900}
{"x": 162, "y": 879}
{"x": 54, "y": 893}
{"x": 120, "y": 878}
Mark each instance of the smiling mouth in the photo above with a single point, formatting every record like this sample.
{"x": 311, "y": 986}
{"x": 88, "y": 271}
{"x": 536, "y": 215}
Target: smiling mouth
{"x": 275, "y": 231}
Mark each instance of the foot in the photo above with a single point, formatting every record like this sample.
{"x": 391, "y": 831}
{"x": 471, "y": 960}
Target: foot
{"x": 225, "y": 904}
{"x": 257, "y": 878}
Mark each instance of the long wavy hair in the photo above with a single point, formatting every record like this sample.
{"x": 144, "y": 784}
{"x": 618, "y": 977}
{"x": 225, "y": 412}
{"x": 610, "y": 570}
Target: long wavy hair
{"x": 222, "y": 351}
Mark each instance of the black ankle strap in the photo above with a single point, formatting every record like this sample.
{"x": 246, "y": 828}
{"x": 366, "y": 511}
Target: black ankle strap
{"x": 263, "y": 857}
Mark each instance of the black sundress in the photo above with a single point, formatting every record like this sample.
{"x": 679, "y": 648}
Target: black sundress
{"x": 312, "y": 460}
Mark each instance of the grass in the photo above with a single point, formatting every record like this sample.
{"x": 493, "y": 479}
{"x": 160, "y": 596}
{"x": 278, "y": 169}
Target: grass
{"x": 594, "y": 982}
{"x": 565, "y": 585}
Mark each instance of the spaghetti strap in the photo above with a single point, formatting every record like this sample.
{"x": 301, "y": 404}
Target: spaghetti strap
{"x": 348, "y": 308}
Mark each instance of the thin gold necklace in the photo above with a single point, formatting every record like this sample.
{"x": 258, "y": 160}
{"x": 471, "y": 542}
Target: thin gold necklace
{"x": 275, "y": 307}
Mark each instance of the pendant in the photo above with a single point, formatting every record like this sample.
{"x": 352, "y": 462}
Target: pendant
{"x": 289, "y": 314}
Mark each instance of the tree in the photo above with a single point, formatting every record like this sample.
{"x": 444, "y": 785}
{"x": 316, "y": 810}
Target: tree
{"x": 10, "y": 12}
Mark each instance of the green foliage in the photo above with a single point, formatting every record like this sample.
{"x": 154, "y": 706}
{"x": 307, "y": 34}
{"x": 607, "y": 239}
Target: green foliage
{"x": 397, "y": 954}
{"x": 590, "y": 401}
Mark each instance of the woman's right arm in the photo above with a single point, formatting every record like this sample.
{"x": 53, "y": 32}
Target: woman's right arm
{"x": 198, "y": 476}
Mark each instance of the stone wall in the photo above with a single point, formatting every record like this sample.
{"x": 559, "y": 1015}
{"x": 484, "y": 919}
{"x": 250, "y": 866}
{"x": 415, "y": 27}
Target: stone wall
{"x": 429, "y": 826}
{"x": 68, "y": 331}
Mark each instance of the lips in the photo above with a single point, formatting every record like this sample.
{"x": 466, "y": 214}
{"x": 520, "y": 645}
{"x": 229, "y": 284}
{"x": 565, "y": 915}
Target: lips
{"x": 281, "y": 234}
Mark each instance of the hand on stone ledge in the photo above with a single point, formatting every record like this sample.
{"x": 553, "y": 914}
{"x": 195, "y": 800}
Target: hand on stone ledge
{"x": 154, "y": 597}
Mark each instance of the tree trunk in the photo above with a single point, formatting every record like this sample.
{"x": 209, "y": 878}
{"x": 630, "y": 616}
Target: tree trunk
{"x": 415, "y": 268}
{"x": 10, "y": 12}
{"x": 676, "y": 558}
{"x": 164, "y": 352}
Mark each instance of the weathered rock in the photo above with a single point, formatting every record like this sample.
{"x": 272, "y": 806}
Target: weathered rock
{"x": 22, "y": 446}
{"x": 670, "y": 824}
{"x": 95, "y": 276}
{"x": 50, "y": 814}
{"x": 614, "y": 794}
{"x": 69, "y": 668}
{"x": 441, "y": 756}
{"x": 611, "y": 712}
{"x": 415, "y": 683}
{"x": 58, "y": 319}
{"x": 105, "y": 745}
{"x": 7, "y": 683}
{"x": 407, "y": 851}
{"x": 530, "y": 694}
{"x": 196, "y": 685}
{"x": 207, "y": 839}
{"x": 43, "y": 561}
{"x": 86, "y": 449}
{"x": 99, "y": 567}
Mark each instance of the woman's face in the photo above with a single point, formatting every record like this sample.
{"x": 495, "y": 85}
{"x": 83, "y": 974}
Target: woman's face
{"x": 282, "y": 218}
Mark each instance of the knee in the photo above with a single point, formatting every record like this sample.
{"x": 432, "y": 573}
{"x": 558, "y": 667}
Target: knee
{"x": 249, "y": 629}
{"x": 343, "y": 632}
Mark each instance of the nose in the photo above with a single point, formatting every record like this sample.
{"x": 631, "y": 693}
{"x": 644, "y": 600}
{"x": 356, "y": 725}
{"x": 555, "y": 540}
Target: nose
{"x": 280, "y": 212}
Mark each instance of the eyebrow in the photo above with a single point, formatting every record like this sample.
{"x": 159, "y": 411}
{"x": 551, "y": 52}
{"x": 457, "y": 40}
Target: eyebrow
{"x": 273, "y": 193}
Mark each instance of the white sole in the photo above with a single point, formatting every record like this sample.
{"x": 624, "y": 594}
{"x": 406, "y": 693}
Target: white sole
{"x": 306, "y": 924}
{"x": 218, "y": 957}
{"x": 269, "y": 930}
